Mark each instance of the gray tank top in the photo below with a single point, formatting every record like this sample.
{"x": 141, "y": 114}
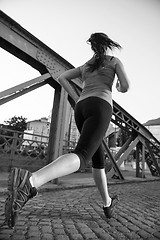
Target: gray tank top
{"x": 99, "y": 82}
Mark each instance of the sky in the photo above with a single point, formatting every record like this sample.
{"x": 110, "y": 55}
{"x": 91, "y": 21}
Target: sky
{"x": 65, "y": 25}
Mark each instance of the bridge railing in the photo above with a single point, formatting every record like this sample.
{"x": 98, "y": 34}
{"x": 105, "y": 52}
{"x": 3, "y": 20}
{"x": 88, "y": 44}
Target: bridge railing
{"x": 23, "y": 149}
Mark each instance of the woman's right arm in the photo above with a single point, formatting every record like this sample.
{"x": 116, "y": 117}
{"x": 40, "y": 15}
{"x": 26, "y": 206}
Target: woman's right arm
{"x": 66, "y": 77}
{"x": 122, "y": 84}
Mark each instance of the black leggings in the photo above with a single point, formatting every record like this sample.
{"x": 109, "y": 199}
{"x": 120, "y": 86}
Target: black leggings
{"x": 92, "y": 116}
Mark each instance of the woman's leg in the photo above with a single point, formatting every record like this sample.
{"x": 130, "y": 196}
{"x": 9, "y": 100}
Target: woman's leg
{"x": 101, "y": 183}
{"x": 64, "y": 165}
{"x": 99, "y": 175}
{"x": 22, "y": 185}
{"x": 93, "y": 121}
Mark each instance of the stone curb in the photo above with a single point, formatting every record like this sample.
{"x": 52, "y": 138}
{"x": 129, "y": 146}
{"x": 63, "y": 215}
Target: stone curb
{"x": 61, "y": 187}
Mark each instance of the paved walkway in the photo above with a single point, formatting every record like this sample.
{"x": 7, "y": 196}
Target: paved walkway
{"x": 77, "y": 180}
{"x": 73, "y": 211}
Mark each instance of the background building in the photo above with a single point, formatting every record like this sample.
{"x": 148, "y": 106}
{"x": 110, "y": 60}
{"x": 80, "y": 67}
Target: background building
{"x": 38, "y": 131}
{"x": 154, "y": 127}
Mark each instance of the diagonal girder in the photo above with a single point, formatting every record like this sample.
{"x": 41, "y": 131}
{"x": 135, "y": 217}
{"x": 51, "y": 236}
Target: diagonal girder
{"x": 117, "y": 170}
{"x": 124, "y": 156}
{"x": 22, "y": 44}
{"x": 21, "y": 89}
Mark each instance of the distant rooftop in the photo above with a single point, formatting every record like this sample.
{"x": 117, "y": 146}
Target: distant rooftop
{"x": 152, "y": 122}
{"x": 43, "y": 119}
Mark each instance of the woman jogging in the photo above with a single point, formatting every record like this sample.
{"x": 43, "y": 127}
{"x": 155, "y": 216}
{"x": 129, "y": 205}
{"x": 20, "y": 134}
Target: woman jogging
{"x": 93, "y": 113}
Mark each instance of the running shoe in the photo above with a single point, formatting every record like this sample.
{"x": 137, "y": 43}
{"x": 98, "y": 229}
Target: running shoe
{"x": 108, "y": 211}
{"x": 19, "y": 192}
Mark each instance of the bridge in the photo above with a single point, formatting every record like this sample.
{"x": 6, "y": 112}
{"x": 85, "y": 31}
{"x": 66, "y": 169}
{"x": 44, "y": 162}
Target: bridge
{"x": 22, "y": 44}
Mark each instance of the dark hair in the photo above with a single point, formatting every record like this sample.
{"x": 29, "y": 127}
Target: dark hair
{"x": 100, "y": 42}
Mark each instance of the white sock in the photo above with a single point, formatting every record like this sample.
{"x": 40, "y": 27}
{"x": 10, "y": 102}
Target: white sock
{"x": 109, "y": 203}
{"x": 31, "y": 181}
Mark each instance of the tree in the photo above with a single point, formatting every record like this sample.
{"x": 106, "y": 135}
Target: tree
{"x": 122, "y": 137}
{"x": 17, "y": 123}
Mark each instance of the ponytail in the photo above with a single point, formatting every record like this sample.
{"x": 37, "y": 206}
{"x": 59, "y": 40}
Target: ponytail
{"x": 100, "y": 42}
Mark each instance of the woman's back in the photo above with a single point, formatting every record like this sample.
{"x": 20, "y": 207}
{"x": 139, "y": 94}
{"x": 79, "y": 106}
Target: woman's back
{"x": 102, "y": 76}
{"x": 98, "y": 82}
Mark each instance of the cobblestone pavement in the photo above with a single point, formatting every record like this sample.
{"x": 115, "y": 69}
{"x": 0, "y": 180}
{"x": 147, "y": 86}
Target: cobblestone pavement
{"x": 76, "y": 214}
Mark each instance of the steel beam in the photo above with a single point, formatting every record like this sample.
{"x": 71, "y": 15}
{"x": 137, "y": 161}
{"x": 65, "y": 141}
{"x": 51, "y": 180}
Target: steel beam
{"x": 124, "y": 147}
{"x": 21, "y": 89}
{"x": 18, "y": 41}
{"x": 116, "y": 168}
{"x": 143, "y": 161}
{"x": 153, "y": 157}
{"x": 128, "y": 151}
{"x": 138, "y": 150}
{"x": 118, "y": 155}
{"x": 124, "y": 156}
{"x": 22, "y": 44}
{"x": 57, "y": 124}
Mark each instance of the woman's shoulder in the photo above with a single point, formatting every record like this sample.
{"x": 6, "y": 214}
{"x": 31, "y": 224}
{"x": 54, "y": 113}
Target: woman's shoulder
{"x": 111, "y": 58}
{"x": 110, "y": 61}
{"x": 85, "y": 65}
{"x": 116, "y": 59}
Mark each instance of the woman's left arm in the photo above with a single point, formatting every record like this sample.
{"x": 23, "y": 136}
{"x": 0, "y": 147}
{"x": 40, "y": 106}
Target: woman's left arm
{"x": 123, "y": 82}
{"x": 66, "y": 77}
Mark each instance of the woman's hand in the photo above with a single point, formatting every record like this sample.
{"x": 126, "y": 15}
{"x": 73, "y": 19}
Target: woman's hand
{"x": 65, "y": 78}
